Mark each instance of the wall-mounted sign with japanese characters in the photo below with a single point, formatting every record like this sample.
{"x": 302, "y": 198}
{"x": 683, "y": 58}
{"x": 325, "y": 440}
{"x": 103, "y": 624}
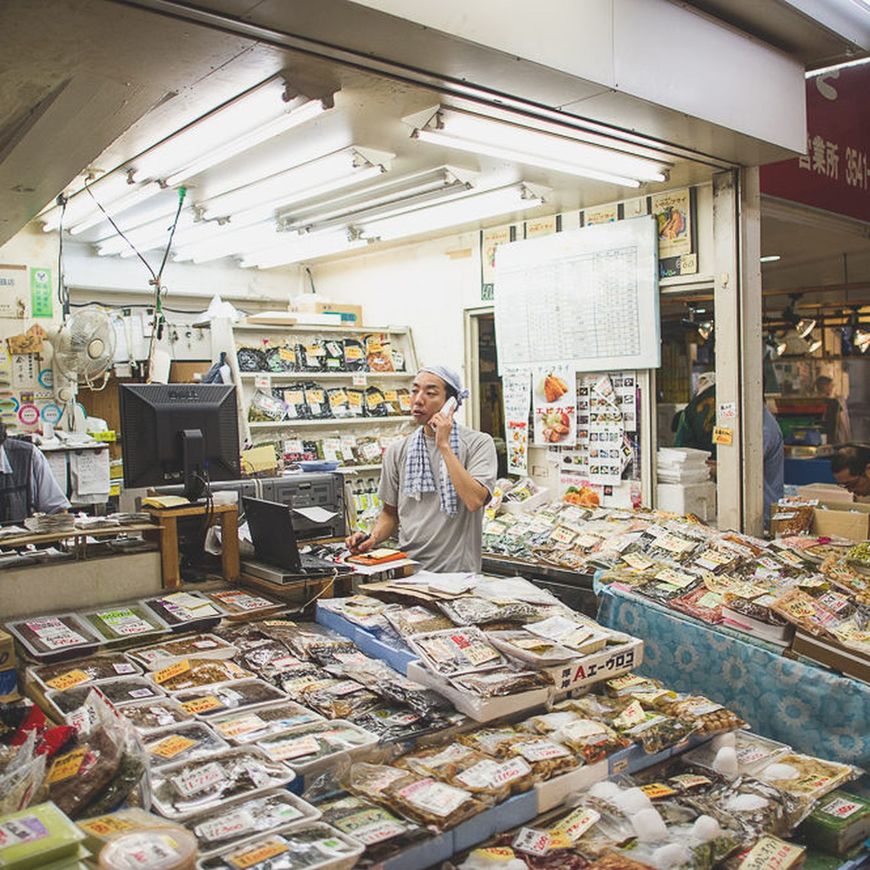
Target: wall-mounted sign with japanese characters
{"x": 834, "y": 174}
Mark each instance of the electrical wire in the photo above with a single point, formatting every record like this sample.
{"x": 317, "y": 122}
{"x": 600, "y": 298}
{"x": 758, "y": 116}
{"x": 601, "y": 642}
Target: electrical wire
{"x": 62, "y": 291}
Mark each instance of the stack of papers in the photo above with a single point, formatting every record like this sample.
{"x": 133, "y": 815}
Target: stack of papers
{"x": 50, "y": 523}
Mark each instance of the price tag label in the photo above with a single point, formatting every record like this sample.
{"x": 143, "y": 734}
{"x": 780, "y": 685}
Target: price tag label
{"x": 173, "y": 745}
{"x": 532, "y": 841}
{"x": 68, "y": 680}
{"x": 241, "y": 725}
{"x": 632, "y": 715}
{"x": 166, "y": 674}
{"x": 575, "y": 825}
{"x": 294, "y": 748}
{"x": 771, "y": 853}
{"x": 479, "y": 653}
{"x": 655, "y": 790}
{"x": 723, "y": 435}
{"x": 250, "y": 857}
{"x": 500, "y": 854}
{"x": 199, "y": 779}
{"x": 104, "y": 826}
{"x": 66, "y": 766}
{"x": 202, "y": 705}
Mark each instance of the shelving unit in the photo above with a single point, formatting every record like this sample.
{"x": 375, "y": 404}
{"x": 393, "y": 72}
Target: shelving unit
{"x": 327, "y": 423}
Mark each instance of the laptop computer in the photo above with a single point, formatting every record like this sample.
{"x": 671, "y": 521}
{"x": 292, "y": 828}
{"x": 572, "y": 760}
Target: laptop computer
{"x": 277, "y": 554}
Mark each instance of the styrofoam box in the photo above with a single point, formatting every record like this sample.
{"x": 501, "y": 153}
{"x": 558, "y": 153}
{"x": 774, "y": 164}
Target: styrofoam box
{"x": 553, "y": 792}
{"x": 688, "y": 498}
{"x": 479, "y": 709}
{"x": 509, "y": 814}
{"x": 529, "y": 504}
{"x": 604, "y": 665}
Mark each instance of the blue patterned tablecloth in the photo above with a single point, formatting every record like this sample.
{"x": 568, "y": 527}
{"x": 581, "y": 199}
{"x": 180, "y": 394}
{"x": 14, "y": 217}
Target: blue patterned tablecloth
{"x": 812, "y": 709}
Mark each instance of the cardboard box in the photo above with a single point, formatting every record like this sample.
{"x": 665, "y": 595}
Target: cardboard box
{"x": 8, "y": 669}
{"x": 833, "y": 655}
{"x": 351, "y": 315}
{"x": 843, "y": 520}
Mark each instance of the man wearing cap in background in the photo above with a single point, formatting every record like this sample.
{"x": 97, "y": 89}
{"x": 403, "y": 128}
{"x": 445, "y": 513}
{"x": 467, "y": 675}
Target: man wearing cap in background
{"x": 26, "y": 481}
{"x": 436, "y": 482}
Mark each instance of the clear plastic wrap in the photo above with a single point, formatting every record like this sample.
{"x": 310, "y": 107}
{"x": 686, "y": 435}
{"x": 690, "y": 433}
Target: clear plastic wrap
{"x": 309, "y": 743}
{"x": 212, "y": 700}
{"x": 497, "y": 683}
{"x": 457, "y": 651}
{"x": 185, "y": 743}
{"x": 155, "y": 714}
{"x": 707, "y": 716}
{"x": 121, "y": 690}
{"x": 251, "y": 726}
{"x": 157, "y": 655}
{"x": 546, "y": 757}
{"x": 338, "y": 699}
{"x": 527, "y": 647}
{"x": 83, "y": 671}
{"x": 491, "y": 741}
{"x": 653, "y": 731}
{"x": 590, "y": 740}
{"x": 197, "y": 674}
{"x": 806, "y": 777}
{"x": 415, "y": 620}
{"x": 473, "y": 610}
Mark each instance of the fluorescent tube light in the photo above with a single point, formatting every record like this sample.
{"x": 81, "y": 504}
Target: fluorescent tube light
{"x": 307, "y": 111}
{"x": 135, "y": 197}
{"x": 233, "y": 241}
{"x": 107, "y": 189}
{"x": 306, "y": 247}
{"x": 147, "y": 236}
{"x": 463, "y": 210}
{"x": 477, "y": 134}
{"x": 305, "y": 181}
{"x": 772, "y": 258}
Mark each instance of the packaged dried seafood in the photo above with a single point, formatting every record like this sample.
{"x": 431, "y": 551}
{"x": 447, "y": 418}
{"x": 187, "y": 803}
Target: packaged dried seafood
{"x": 201, "y": 646}
{"x": 123, "y": 623}
{"x": 181, "y": 790}
{"x": 121, "y": 690}
{"x": 220, "y": 698}
{"x": 707, "y": 716}
{"x": 249, "y": 726}
{"x": 54, "y": 638}
{"x": 590, "y": 740}
{"x": 496, "y": 683}
{"x": 89, "y": 670}
{"x": 804, "y": 776}
{"x": 456, "y": 651}
{"x": 473, "y": 610}
{"x": 238, "y": 602}
{"x": 415, "y": 620}
{"x": 653, "y": 731}
{"x": 492, "y": 741}
{"x": 802, "y": 610}
{"x": 185, "y": 743}
{"x": 530, "y": 648}
{"x": 197, "y": 673}
{"x": 155, "y": 714}
{"x": 700, "y": 603}
{"x": 184, "y": 611}
{"x": 301, "y": 747}
{"x": 546, "y": 757}
{"x": 432, "y": 802}
{"x": 338, "y": 699}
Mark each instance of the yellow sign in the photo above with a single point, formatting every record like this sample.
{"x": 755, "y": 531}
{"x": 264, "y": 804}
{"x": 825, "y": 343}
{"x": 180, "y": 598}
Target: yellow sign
{"x": 165, "y": 674}
{"x": 66, "y": 766}
{"x": 68, "y": 680}
{"x": 249, "y": 857}
{"x": 723, "y": 435}
{"x": 201, "y": 705}
{"x": 171, "y": 746}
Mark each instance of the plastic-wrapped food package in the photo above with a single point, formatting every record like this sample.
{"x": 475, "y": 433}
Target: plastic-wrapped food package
{"x": 618, "y": 861}
{"x": 473, "y": 610}
{"x": 184, "y": 743}
{"x": 596, "y": 827}
{"x": 354, "y": 355}
{"x": 197, "y": 673}
{"x": 318, "y": 404}
{"x": 546, "y": 757}
{"x": 804, "y": 776}
{"x": 592, "y": 706}
{"x": 379, "y": 356}
{"x": 334, "y": 356}
{"x": 392, "y": 403}
{"x": 156, "y": 714}
{"x": 219, "y": 698}
{"x": 707, "y": 716}
{"x": 589, "y": 739}
{"x": 208, "y": 646}
{"x": 356, "y": 401}
{"x": 362, "y": 610}
{"x": 339, "y": 406}
{"x": 305, "y": 640}
{"x": 496, "y": 683}
{"x": 382, "y": 833}
{"x": 432, "y": 802}
{"x": 804, "y": 611}
{"x": 251, "y": 359}
{"x": 311, "y": 355}
{"x": 180, "y": 790}
{"x": 249, "y": 726}
{"x": 659, "y": 590}
{"x": 395, "y": 722}
{"x": 492, "y": 741}
{"x": 183, "y": 611}
{"x": 296, "y": 679}
{"x": 415, "y": 620}
{"x": 375, "y": 406}
{"x": 231, "y": 823}
{"x": 281, "y": 358}
{"x": 313, "y": 845}
{"x": 264, "y": 407}
{"x": 267, "y": 658}
{"x": 653, "y": 731}
{"x": 700, "y": 603}
{"x": 310, "y": 743}
{"x": 456, "y": 651}
{"x": 89, "y": 670}
{"x": 756, "y": 608}
{"x": 752, "y": 750}
{"x": 338, "y": 699}
{"x": 53, "y": 638}
{"x": 530, "y": 648}
{"x": 240, "y": 602}
{"x": 121, "y": 690}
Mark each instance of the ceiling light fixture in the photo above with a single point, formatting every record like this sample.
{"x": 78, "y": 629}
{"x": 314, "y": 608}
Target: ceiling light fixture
{"x": 770, "y": 258}
{"x": 776, "y": 347}
{"x": 803, "y": 326}
{"x": 231, "y": 242}
{"x": 107, "y": 189}
{"x": 813, "y": 344}
{"x": 861, "y": 339}
{"x": 299, "y": 248}
{"x": 466, "y": 131}
{"x": 297, "y": 184}
{"x": 304, "y": 111}
{"x": 133, "y": 198}
{"x": 704, "y": 328}
{"x": 462, "y": 210}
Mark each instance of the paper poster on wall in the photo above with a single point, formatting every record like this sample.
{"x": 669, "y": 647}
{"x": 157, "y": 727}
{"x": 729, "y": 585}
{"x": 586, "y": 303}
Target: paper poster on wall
{"x": 543, "y": 226}
{"x": 25, "y": 371}
{"x": 489, "y": 242}
{"x": 41, "y": 293}
{"x": 516, "y": 388}
{"x": 673, "y": 214}
{"x": 13, "y": 290}
{"x": 555, "y": 411}
{"x": 632, "y": 208}
{"x": 600, "y": 214}
{"x": 579, "y": 490}
{"x": 587, "y": 298}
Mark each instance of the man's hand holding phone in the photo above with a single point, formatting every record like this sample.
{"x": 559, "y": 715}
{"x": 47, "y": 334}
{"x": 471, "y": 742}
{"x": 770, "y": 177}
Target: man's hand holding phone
{"x": 442, "y": 423}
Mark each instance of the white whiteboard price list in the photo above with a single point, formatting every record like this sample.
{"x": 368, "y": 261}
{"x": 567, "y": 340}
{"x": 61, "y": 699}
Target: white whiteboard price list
{"x": 588, "y": 297}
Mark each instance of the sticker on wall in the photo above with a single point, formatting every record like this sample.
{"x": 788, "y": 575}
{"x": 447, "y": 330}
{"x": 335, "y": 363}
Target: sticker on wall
{"x": 28, "y": 415}
{"x": 46, "y": 378}
{"x": 9, "y": 405}
{"x": 51, "y": 413}
{"x": 41, "y": 293}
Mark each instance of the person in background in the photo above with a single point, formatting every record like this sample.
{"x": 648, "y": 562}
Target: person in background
{"x": 696, "y": 426}
{"x": 27, "y": 485}
{"x": 824, "y": 386}
{"x": 850, "y": 465}
{"x": 435, "y": 482}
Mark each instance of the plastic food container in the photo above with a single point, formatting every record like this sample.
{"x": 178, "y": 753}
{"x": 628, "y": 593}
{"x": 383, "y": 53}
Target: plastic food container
{"x": 249, "y": 726}
{"x": 186, "y": 674}
{"x": 754, "y": 752}
{"x": 291, "y": 849}
{"x": 83, "y": 672}
{"x": 53, "y": 837}
{"x": 225, "y": 697}
{"x": 313, "y": 748}
{"x": 184, "y": 743}
{"x": 180, "y": 791}
{"x": 54, "y": 638}
{"x": 245, "y": 819}
{"x": 123, "y": 690}
{"x": 124, "y": 623}
{"x": 153, "y": 849}
{"x": 155, "y": 715}
{"x": 200, "y": 646}
{"x": 186, "y": 611}
{"x": 99, "y": 830}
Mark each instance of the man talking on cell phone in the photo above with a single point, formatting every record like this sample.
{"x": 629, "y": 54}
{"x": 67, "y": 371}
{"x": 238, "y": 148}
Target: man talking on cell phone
{"x": 435, "y": 482}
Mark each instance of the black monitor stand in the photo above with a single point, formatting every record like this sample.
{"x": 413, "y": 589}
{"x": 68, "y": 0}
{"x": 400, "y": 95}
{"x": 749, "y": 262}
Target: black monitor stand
{"x": 193, "y": 451}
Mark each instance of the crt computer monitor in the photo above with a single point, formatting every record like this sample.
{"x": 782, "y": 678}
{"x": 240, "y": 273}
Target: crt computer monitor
{"x": 179, "y": 433}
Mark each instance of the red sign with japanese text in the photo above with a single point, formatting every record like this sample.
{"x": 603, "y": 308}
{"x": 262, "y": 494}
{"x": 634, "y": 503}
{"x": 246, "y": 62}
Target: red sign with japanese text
{"x": 835, "y": 173}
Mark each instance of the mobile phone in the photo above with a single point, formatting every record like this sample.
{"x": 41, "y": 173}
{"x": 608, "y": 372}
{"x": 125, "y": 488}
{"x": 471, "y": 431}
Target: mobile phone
{"x": 449, "y": 406}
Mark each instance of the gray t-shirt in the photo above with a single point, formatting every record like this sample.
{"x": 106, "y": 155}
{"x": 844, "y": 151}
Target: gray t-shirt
{"x": 438, "y": 541}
